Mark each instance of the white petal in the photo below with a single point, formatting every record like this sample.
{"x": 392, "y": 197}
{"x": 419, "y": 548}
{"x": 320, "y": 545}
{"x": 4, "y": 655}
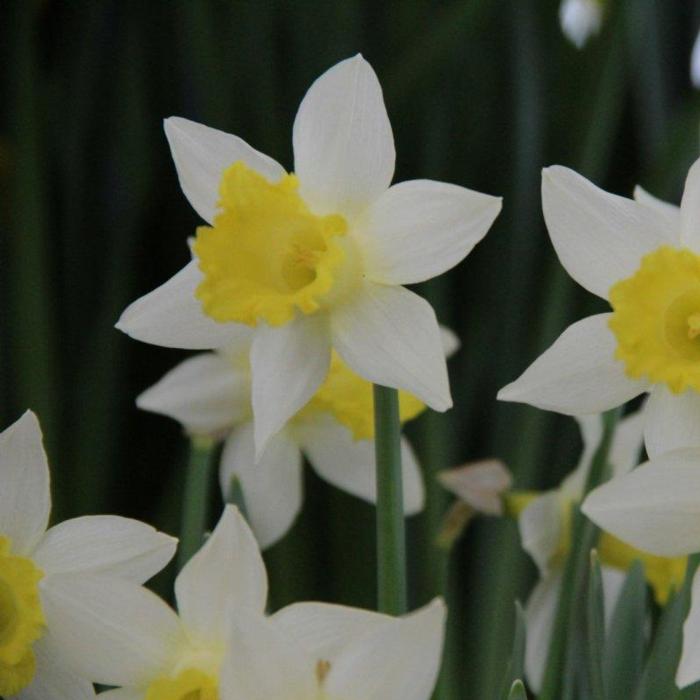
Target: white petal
{"x": 390, "y": 336}
{"x": 479, "y": 484}
{"x": 655, "y": 507}
{"x": 324, "y": 630}
{"x": 672, "y": 421}
{"x": 399, "y": 661}
{"x": 226, "y": 572}
{"x": 105, "y": 544}
{"x": 123, "y": 694}
{"x": 695, "y": 63}
{"x": 540, "y": 529}
{"x": 599, "y": 237}
{"x": 591, "y": 428}
{"x": 53, "y": 681}
{"x": 205, "y": 393}
{"x": 265, "y": 664}
{"x": 288, "y": 365}
{"x": 670, "y": 212}
{"x": 421, "y": 228}
{"x": 343, "y": 146}
{"x": 201, "y": 155}
{"x": 450, "y": 341}
{"x": 690, "y": 209}
{"x": 272, "y": 487}
{"x": 349, "y": 464}
{"x": 577, "y": 374}
{"x": 25, "y": 499}
{"x": 627, "y": 442}
{"x": 540, "y": 609}
{"x": 171, "y": 316}
{"x": 689, "y": 667}
{"x": 110, "y": 630}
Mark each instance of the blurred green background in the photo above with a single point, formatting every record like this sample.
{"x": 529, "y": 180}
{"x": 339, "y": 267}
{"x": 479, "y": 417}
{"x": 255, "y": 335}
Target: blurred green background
{"x": 482, "y": 93}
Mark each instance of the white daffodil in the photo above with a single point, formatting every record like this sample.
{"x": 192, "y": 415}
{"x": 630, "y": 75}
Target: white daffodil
{"x": 221, "y": 645}
{"x": 314, "y": 261}
{"x": 657, "y": 508}
{"x": 210, "y": 395}
{"x": 545, "y": 531}
{"x": 37, "y": 565}
{"x": 580, "y": 20}
{"x": 643, "y": 255}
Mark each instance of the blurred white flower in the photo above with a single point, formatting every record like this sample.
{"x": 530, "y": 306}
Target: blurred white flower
{"x": 210, "y": 395}
{"x": 642, "y": 255}
{"x": 43, "y": 572}
{"x": 220, "y": 645}
{"x": 317, "y": 260}
{"x": 480, "y": 485}
{"x": 580, "y": 20}
{"x": 695, "y": 63}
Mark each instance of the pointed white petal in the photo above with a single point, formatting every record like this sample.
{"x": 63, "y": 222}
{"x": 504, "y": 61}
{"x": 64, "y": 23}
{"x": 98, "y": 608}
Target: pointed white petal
{"x": 265, "y": 664}
{"x": 689, "y": 667}
{"x": 540, "y": 529}
{"x": 272, "y": 487}
{"x": 577, "y": 374}
{"x": 390, "y": 336}
{"x": 655, "y": 507}
{"x": 324, "y": 630}
{"x": 205, "y": 393}
{"x": 670, "y": 212}
{"x": 343, "y": 146}
{"x": 398, "y": 661}
{"x": 227, "y": 572}
{"x": 288, "y": 365}
{"x": 626, "y": 445}
{"x": 53, "y": 681}
{"x": 690, "y": 209}
{"x": 201, "y": 155}
{"x": 110, "y": 630}
{"x": 421, "y": 228}
{"x": 695, "y": 63}
{"x": 25, "y": 499}
{"x": 479, "y": 484}
{"x": 105, "y": 544}
{"x": 450, "y": 341}
{"x": 672, "y": 421}
{"x": 599, "y": 237}
{"x": 171, "y": 316}
{"x": 591, "y": 427}
{"x": 349, "y": 464}
{"x": 540, "y": 609}
{"x": 123, "y": 694}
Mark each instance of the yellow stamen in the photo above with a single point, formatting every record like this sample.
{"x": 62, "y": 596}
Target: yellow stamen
{"x": 268, "y": 257}
{"x": 21, "y": 619}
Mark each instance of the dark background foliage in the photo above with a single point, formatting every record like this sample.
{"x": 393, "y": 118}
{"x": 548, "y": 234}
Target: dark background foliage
{"x": 480, "y": 92}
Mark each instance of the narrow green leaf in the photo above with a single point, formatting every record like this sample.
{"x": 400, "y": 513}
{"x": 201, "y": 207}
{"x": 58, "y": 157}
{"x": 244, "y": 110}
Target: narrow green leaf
{"x": 517, "y": 691}
{"x": 516, "y": 664}
{"x": 595, "y": 628}
{"x": 623, "y": 657}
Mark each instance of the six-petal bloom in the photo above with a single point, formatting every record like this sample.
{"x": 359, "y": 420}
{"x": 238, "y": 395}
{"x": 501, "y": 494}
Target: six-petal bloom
{"x": 642, "y": 255}
{"x": 43, "y": 573}
{"x": 314, "y": 261}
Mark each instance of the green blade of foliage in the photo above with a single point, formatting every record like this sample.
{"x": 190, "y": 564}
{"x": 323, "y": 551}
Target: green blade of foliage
{"x": 624, "y": 647}
{"x": 595, "y": 629}
{"x": 516, "y": 664}
{"x": 517, "y": 691}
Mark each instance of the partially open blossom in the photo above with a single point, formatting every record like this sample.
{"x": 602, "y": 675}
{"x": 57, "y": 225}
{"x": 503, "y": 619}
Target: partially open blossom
{"x": 210, "y": 395}
{"x": 43, "y": 572}
{"x": 314, "y": 261}
{"x": 642, "y": 255}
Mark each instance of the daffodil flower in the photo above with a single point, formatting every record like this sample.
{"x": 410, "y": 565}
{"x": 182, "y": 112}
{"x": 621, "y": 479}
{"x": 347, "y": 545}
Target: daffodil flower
{"x": 210, "y": 395}
{"x": 580, "y": 20}
{"x": 642, "y": 255}
{"x": 42, "y": 571}
{"x": 221, "y": 645}
{"x": 545, "y": 531}
{"x": 656, "y": 507}
{"x": 314, "y": 261}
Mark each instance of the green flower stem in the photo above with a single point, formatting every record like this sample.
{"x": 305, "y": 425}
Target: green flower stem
{"x": 391, "y": 535}
{"x": 196, "y": 502}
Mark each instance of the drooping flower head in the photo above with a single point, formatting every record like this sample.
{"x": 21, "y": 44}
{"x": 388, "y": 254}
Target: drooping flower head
{"x": 314, "y": 261}
{"x": 42, "y": 572}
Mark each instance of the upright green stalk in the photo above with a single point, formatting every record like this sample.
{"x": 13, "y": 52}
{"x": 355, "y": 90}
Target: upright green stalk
{"x": 196, "y": 501}
{"x": 391, "y": 535}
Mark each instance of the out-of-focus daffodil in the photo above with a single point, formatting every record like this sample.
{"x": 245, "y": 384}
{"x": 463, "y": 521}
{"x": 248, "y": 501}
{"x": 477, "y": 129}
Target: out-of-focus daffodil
{"x": 580, "y": 20}
{"x": 43, "y": 572}
{"x": 314, "y": 261}
{"x": 642, "y": 255}
{"x": 210, "y": 395}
